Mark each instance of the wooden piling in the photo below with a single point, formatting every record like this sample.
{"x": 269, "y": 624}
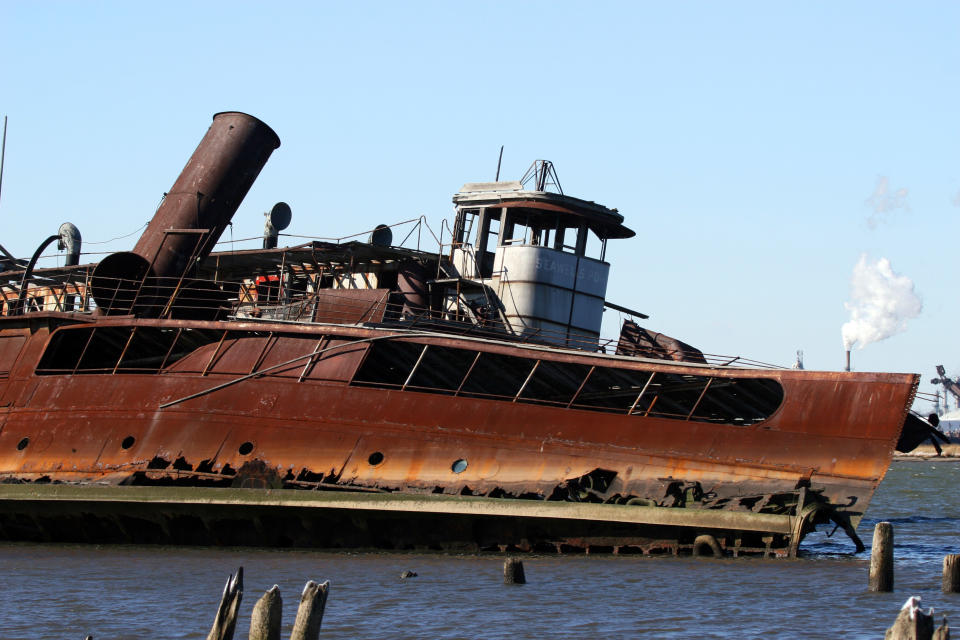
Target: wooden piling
{"x": 267, "y": 615}
{"x": 911, "y": 623}
{"x": 310, "y": 613}
{"x": 513, "y": 572}
{"x": 951, "y": 573}
{"x": 943, "y": 631}
{"x": 881, "y": 558}
{"x": 226, "y": 620}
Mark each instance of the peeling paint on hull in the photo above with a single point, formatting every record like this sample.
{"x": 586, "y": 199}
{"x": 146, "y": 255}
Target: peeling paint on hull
{"x": 284, "y": 433}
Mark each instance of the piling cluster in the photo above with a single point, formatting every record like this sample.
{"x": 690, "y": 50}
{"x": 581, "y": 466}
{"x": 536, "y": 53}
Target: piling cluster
{"x": 267, "y": 614}
{"x": 912, "y": 622}
{"x": 881, "y": 563}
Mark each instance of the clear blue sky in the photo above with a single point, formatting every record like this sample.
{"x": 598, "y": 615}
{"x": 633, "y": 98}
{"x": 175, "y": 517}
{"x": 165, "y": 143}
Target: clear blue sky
{"x": 743, "y": 141}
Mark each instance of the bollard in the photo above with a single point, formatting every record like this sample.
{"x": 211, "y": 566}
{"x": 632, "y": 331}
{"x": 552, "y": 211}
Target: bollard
{"x": 266, "y": 617}
{"x": 226, "y": 620}
{"x": 951, "y": 573}
{"x": 881, "y": 558}
{"x": 513, "y": 572}
{"x": 310, "y": 613}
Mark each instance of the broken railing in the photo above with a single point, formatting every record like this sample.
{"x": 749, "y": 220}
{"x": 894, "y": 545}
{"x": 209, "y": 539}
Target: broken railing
{"x": 297, "y": 300}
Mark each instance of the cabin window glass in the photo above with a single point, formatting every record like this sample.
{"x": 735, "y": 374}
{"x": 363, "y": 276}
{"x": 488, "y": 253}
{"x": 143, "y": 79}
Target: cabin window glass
{"x": 487, "y": 245}
{"x": 442, "y": 369}
{"x": 388, "y": 363}
{"x": 609, "y": 389}
{"x": 739, "y": 401}
{"x": 63, "y": 351}
{"x": 147, "y": 349}
{"x": 494, "y": 229}
{"x": 496, "y": 375}
{"x": 520, "y": 230}
{"x": 466, "y": 222}
{"x": 541, "y": 230}
{"x": 99, "y": 350}
{"x": 105, "y": 348}
{"x": 533, "y": 229}
{"x": 554, "y": 382}
{"x": 673, "y": 395}
{"x": 595, "y": 246}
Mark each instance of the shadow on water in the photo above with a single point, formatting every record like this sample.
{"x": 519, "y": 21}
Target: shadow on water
{"x": 58, "y": 591}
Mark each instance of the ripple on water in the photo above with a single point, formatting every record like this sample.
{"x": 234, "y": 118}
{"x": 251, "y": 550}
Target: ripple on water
{"x": 57, "y": 591}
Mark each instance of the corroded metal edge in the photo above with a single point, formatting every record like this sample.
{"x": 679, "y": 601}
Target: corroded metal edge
{"x": 434, "y": 504}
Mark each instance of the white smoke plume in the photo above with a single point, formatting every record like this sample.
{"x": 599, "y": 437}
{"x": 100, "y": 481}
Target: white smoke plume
{"x": 883, "y": 200}
{"x": 881, "y": 302}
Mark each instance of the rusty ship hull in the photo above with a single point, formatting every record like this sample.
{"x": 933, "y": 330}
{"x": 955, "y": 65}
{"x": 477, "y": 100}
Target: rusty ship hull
{"x": 355, "y": 394}
{"x": 312, "y": 424}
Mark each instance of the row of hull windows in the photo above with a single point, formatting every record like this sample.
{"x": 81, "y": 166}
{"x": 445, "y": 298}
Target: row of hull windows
{"x": 411, "y": 366}
{"x": 465, "y": 372}
{"x": 146, "y": 350}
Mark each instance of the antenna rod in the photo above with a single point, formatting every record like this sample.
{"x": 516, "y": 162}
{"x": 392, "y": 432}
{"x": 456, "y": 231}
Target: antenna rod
{"x": 497, "y": 179}
{"x": 3, "y": 151}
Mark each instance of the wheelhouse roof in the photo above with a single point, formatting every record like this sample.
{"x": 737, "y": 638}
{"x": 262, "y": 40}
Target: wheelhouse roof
{"x": 606, "y": 222}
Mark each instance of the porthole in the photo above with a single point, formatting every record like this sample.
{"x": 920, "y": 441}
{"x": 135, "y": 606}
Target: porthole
{"x": 245, "y": 448}
{"x": 23, "y": 444}
{"x": 375, "y": 458}
{"x": 127, "y": 442}
{"x": 459, "y": 466}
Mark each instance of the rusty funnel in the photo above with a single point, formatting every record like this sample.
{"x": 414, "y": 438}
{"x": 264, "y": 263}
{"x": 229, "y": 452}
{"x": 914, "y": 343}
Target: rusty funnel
{"x": 189, "y": 221}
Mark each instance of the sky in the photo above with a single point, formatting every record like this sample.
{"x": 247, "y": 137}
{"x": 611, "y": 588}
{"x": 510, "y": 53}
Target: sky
{"x": 783, "y": 164}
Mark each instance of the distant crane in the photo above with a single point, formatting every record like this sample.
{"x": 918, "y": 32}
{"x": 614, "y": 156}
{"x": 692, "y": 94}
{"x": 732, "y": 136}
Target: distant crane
{"x": 917, "y": 429}
{"x": 949, "y": 384}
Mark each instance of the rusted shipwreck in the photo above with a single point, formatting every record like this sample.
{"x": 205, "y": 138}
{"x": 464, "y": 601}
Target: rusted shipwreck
{"x": 361, "y": 394}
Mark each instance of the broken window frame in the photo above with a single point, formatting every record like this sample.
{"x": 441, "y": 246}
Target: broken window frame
{"x": 677, "y": 396}
{"x": 414, "y": 366}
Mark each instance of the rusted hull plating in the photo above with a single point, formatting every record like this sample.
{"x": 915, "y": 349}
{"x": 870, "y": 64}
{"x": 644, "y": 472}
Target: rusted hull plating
{"x": 157, "y": 421}
{"x": 308, "y": 425}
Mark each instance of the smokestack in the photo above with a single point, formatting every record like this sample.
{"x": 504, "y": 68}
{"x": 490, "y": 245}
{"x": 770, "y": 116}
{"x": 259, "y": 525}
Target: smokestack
{"x": 191, "y": 218}
{"x": 847, "y": 368}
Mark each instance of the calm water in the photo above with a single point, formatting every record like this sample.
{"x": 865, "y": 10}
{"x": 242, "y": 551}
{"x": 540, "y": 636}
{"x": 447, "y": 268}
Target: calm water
{"x": 57, "y": 591}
